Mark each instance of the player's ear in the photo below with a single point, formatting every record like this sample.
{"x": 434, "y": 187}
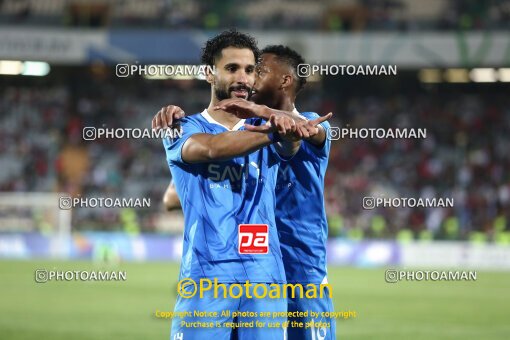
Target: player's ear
{"x": 287, "y": 81}
{"x": 209, "y": 75}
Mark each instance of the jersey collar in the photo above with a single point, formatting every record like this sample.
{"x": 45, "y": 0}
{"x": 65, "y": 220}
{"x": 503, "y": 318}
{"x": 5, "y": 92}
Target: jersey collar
{"x": 211, "y": 120}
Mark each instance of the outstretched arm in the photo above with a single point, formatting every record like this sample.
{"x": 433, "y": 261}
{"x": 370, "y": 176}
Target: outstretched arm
{"x": 203, "y": 147}
{"x": 287, "y": 129}
{"x": 307, "y": 130}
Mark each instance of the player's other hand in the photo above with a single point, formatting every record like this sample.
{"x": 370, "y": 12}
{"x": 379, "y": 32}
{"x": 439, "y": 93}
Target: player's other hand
{"x": 285, "y": 126}
{"x": 241, "y": 108}
{"x": 308, "y": 128}
{"x": 167, "y": 117}
{"x": 288, "y": 129}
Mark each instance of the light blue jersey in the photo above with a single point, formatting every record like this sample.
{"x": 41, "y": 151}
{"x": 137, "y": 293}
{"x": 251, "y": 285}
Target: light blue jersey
{"x": 300, "y": 211}
{"x": 303, "y": 231}
{"x": 217, "y": 197}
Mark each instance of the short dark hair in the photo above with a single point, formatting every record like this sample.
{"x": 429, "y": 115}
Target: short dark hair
{"x": 231, "y": 38}
{"x": 291, "y": 58}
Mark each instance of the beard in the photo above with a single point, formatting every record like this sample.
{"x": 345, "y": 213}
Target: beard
{"x": 222, "y": 92}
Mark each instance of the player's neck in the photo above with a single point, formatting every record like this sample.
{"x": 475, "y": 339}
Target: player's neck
{"x": 224, "y": 118}
{"x": 285, "y": 104}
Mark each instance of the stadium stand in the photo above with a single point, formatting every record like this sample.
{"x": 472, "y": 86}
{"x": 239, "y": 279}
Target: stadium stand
{"x": 471, "y": 165}
{"x": 331, "y": 15}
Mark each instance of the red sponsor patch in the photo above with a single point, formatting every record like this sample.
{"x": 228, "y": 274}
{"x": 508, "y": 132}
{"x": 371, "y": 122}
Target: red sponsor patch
{"x": 253, "y": 239}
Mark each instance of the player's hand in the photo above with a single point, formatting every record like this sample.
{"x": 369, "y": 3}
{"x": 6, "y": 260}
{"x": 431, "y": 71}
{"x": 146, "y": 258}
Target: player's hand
{"x": 285, "y": 126}
{"x": 242, "y": 108}
{"x": 308, "y": 128}
{"x": 288, "y": 129}
{"x": 167, "y": 117}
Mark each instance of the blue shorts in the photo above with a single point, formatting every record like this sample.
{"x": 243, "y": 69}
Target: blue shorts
{"x": 247, "y": 325}
{"x": 312, "y": 331}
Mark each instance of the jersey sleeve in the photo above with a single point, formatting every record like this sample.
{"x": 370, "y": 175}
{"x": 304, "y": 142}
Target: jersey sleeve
{"x": 319, "y": 151}
{"x": 173, "y": 146}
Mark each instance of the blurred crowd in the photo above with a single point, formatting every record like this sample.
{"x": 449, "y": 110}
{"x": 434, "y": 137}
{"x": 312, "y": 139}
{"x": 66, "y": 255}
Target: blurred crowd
{"x": 464, "y": 155}
{"x": 329, "y": 15}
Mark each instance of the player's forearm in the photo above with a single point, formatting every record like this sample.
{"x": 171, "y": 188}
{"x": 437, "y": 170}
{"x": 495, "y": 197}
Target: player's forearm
{"x": 266, "y": 112}
{"x": 223, "y": 146}
{"x": 319, "y": 138}
{"x": 228, "y": 145}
